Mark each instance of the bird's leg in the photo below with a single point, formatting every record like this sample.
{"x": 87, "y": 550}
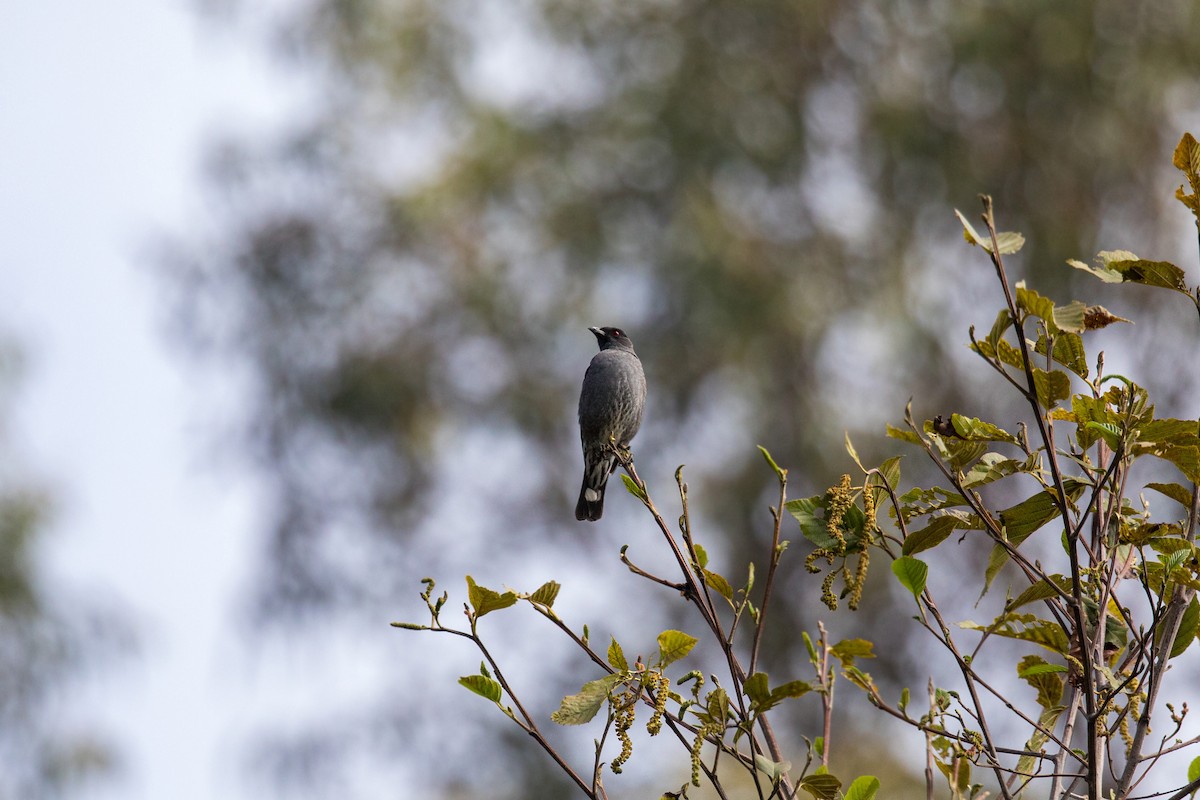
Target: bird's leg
{"x": 623, "y": 454}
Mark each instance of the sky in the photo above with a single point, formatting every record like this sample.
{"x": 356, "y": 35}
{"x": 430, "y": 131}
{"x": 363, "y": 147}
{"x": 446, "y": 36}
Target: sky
{"x": 105, "y": 109}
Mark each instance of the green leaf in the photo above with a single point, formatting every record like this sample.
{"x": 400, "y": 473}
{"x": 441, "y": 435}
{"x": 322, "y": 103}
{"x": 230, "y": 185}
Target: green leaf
{"x": 852, "y": 452}
{"x": 1021, "y": 520}
{"x": 756, "y": 688}
{"x": 674, "y": 645}
{"x": 546, "y": 594}
{"x": 1025, "y": 764}
{"x": 701, "y": 556}
{"x": 775, "y": 770}
{"x": 485, "y": 600}
{"x": 718, "y": 584}
{"x": 1162, "y": 274}
{"x": 903, "y": 434}
{"x": 912, "y": 573}
{"x": 992, "y": 467}
{"x": 1026, "y": 628}
{"x": 1052, "y": 387}
{"x": 1173, "y": 431}
{"x": 1070, "y": 318}
{"x": 864, "y": 787}
{"x": 938, "y": 530}
{"x": 1037, "y": 305}
{"x": 977, "y": 430}
{"x": 1194, "y": 770}
{"x": 1188, "y": 625}
{"x": 1068, "y": 350}
{"x": 1122, "y": 266}
{"x": 849, "y": 649}
{"x": 1007, "y": 241}
{"x": 1175, "y": 491}
{"x": 779, "y": 472}
{"x": 580, "y": 709}
{"x": 1111, "y": 434}
{"x": 1185, "y": 459}
{"x": 790, "y": 689}
{"x": 483, "y": 686}
{"x": 616, "y": 656}
{"x": 822, "y": 787}
{"x": 1041, "y": 590}
{"x": 633, "y": 488}
{"x": 1044, "y": 677}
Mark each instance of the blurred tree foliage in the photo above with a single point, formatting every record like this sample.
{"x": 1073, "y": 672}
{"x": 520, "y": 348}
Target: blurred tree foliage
{"x": 759, "y": 191}
{"x": 45, "y": 752}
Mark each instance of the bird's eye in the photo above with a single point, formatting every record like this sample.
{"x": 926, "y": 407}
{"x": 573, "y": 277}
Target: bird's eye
{"x": 618, "y": 332}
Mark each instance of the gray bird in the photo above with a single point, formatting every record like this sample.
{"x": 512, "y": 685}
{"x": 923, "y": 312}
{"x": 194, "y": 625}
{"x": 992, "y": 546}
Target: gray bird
{"x": 610, "y": 412}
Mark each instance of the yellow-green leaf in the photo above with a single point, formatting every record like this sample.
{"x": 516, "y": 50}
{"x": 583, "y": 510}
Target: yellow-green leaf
{"x": 674, "y": 645}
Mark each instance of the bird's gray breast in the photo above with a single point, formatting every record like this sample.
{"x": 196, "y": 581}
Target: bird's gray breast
{"x": 613, "y": 397}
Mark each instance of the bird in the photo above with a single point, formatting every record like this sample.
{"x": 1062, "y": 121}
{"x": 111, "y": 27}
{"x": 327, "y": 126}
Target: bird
{"x": 611, "y": 405}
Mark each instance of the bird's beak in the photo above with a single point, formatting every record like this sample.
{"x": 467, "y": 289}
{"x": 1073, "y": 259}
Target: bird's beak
{"x": 599, "y": 333}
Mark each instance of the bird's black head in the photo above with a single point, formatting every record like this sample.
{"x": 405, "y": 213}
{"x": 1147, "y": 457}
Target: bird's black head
{"x": 612, "y": 337}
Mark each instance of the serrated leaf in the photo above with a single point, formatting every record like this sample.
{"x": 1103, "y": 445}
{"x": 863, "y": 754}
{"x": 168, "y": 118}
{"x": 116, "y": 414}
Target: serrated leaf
{"x": 633, "y": 488}
{"x": 1188, "y": 625}
{"x": 938, "y": 530}
{"x": 1026, "y": 628}
{"x": 484, "y": 600}
{"x": 1174, "y": 491}
{"x": 674, "y": 645}
{"x": 1068, "y": 350}
{"x": 1052, "y": 387}
{"x": 616, "y": 656}
{"x": 864, "y": 787}
{"x": 912, "y": 573}
{"x": 1038, "y": 305}
{"x": 849, "y": 649}
{"x": 1007, "y": 241}
{"x": 976, "y": 429}
{"x": 822, "y": 787}
{"x": 546, "y": 594}
{"x": 791, "y": 689}
{"x": 1186, "y": 159}
{"x": 1070, "y": 318}
{"x": 1186, "y": 459}
{"x": 1045, "y": 678}
{"x": 1162, "y": 274}
{"x": 992, "y": 467}
{"x": 580, "y": 709}
{"x": 1040, "y": 590}
{"x": 756, "y": 688}
{"x": 718, "y": 584}
{"x": 483, "y": 686}
{"x": 1110, "y": 433}
{"x": 1021, "y": 520}
{"x": 903, "y": 434}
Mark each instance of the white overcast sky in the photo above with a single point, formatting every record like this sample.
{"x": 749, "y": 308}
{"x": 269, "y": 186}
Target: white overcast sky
{"x": 104, "y": 112}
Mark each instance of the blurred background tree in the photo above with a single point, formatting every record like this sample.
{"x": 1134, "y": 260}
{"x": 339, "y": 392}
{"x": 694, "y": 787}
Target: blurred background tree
{"x": 760, "y": 192}
{"x": 52, "y": 639}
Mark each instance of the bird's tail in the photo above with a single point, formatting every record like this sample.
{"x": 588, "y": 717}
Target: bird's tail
{"x": 591, "y": 495}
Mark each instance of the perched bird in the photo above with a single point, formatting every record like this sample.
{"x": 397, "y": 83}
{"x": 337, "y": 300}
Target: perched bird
{"x": 610, "y": 413}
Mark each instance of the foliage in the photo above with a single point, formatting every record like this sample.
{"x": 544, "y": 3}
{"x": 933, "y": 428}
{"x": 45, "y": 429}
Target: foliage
{"x": 1108, "y": 610}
